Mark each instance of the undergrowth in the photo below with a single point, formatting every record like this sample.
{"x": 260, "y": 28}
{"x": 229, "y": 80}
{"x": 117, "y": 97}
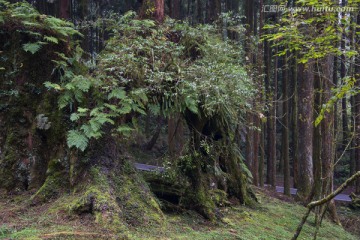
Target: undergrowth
{"x": 274, "y": 219}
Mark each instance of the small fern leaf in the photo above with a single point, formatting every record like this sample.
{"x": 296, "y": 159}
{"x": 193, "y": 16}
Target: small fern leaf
{"x": 125, "y": 130}
{"x": 77, "y": 139}
{"x": 31, "y": 47}
{"x": 74, "y": 117}
{"x": 51, "y": 39}
{"x": 118, "y": 93}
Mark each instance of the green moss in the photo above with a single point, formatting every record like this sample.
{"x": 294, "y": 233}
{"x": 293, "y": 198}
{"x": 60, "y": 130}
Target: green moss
{"x": 117, "y": 201}
{"x": 10, "y": 171}
{"x": 219, "y": 197}
{"x": 51, "y": 188}
{"x": 138, "y": 203}
{"x": 97, "y": 196}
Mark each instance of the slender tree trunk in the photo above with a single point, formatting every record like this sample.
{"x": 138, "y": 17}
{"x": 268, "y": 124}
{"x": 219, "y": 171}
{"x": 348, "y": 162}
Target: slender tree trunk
{"x": 200, "y": 18}
{"x": 258, "y": 62}
{"x": 175, "y": 9}
{"x": 327, "y": 153}
{"x": 267, "y": 60}
{"x": 285, "y": 132}
{"x": 158, "y": 14}
{"x": 262, "y": 155}
{"x": 252, "y": 138}
{"x": 272, "y": 129}
{"x": 256, "y": 137}
{"x": 159, "y": 10}
{"x": 250, "y": 142}
{"x": 305, "y": 118}
{"x": 357, "y": 111}
{"x": 352, "y": 98}
{"x": 214, "y": 10}
{"x": 345, "y": 120}
{"x": 295, "y": 128}
{"x": 259, "y": 168}
{"x": 64, "y": 9}
{"x": 281, "y": 110}
{"x": 318, "y": 138}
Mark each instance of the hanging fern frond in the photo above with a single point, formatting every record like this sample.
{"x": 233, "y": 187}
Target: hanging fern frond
{"x": 51, "y": 39}
{"x": 31, "y": 47}
{"x": 77, "y": 139}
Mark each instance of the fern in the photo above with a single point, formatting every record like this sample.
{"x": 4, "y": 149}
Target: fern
{"x": 89, "y": 132}
{"x": 117, "y": 93}
{"x": 65, "y": 99}
{"x": 125, "y": 130}
{"x": 74, "y": 117}
{"x": 31, "y": 24}
{"x": 51, "y": 39}
{"x": 77, "y": 139}
{"x": 32, "y": 47}
{"x": 81, "y": 83}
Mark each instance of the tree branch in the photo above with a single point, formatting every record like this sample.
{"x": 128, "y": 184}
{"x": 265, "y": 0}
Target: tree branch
{"x": 326, "y": 199}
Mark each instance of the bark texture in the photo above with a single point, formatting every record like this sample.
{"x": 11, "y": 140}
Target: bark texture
{"x": 357, "y": 116}
{"x": 305, "y": 118}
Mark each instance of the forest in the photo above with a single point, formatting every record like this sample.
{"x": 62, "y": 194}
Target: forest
{"x": 180, "y": 119}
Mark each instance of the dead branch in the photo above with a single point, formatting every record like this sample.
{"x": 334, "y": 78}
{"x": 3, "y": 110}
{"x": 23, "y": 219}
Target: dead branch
{"x": 322, "y": 201}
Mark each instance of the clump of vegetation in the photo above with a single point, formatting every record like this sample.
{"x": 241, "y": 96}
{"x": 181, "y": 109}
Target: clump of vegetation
{"x": 144, "y": 69}
{"x": 166, "y": 70}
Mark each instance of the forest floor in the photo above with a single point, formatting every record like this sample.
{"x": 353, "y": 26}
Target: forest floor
{"x": 273, "y": 218}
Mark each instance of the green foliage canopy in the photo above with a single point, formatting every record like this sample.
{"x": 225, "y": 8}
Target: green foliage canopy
{"x": 313, "y": 35}
{"x": 162, "y": 69}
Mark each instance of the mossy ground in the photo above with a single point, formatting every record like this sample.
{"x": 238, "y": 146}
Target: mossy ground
{"x": 272, "y": 219}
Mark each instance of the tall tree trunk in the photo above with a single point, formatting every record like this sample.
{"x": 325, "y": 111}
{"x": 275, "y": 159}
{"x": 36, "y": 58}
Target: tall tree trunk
{"x": 214, "y": 10}
{"x": 262, "y": 155}
{"x": 175, "y": 9}
{"x": 281, "y": 110}
{"x": 285, "y": 132}
{"x": 352, "y": 98}
{"x": 305, "y": 118}
{"x": 295, "y": 128}
{"x": 259, "y": 136}
{"x": 318, "y": 139}
{"x": 64, "y": 9}
{"x": 159, "y": 10}
{"x": 336, "y": 105}
{"x": 345, "y": 120}
{"x": 357, "y": 109}
{"x": 271, "y": 164}
{"x": 267, "y": 69}
{"x": 252, "y": 140}
{"x": 158, "y": 14}
{"x": 327, "y": 151}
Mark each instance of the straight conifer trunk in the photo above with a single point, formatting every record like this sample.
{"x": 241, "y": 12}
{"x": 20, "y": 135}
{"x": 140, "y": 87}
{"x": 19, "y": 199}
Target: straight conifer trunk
{"x": 327, "y": 152}
{"x": 357, "y": 112}
{"x": 305, "y": 121}
{"x": 285, "y": 133}
{"x": 295, "y": 128}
